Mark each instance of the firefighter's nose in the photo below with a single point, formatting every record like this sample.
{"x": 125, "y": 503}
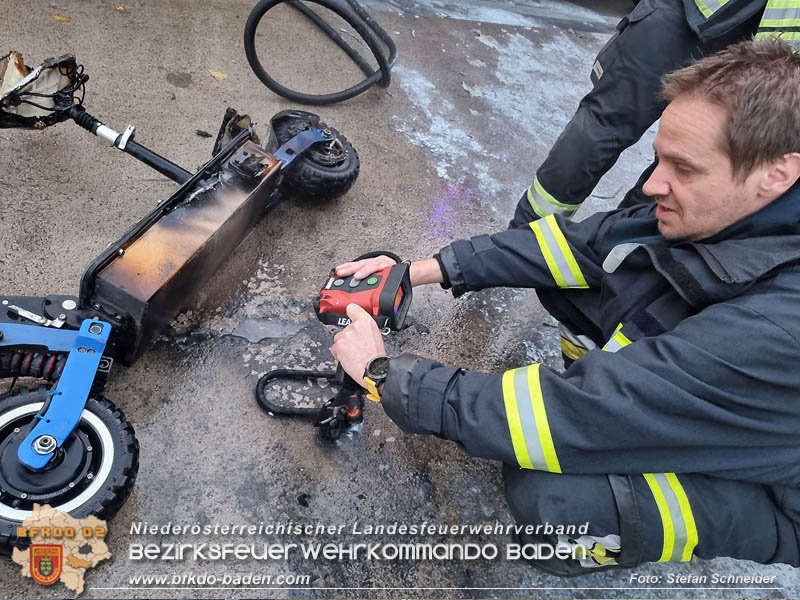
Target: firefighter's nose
{"x": 658, "y": 183}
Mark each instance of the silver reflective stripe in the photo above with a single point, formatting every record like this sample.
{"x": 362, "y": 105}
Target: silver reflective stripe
{"x": 617, "y": 341}
{"x": 528, "y": 420}
{"x": 543, "y": 203}
{"x": 709, "y": 7}
{"x": 618, "y": 254}
{"x": 558, "y": 257}
{"x": 581, "y": 341}
{"x": 781, "y": 19}
{"x": 790, "y": 37}
{"x": 680, "y": 531}
{"x": 781, "y": 14}
{"x": 612, "y": 346}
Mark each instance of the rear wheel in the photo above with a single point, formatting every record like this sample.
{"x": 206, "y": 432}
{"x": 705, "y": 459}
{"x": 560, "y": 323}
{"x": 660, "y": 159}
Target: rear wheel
{"x": 327, "y": 170}
{"x": 93, "y": 472}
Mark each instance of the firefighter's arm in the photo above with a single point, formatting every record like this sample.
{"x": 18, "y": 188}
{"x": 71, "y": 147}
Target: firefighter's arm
{"x": 678, "y": 402}
{"x": 548, "y": 253}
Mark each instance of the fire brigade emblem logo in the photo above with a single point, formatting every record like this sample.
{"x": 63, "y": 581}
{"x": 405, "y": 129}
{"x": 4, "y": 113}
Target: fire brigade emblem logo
{"x": 46, "y": 562}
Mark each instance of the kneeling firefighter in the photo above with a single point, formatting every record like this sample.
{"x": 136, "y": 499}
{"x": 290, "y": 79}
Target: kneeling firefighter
{"x": 673, "y": 431}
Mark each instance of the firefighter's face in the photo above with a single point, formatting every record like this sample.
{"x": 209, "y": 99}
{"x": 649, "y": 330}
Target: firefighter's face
{"x": 694, "y": 186}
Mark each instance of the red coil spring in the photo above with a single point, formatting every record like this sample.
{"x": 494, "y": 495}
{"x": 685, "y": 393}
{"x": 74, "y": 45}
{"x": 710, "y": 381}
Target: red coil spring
{"x": 45, "y": 365}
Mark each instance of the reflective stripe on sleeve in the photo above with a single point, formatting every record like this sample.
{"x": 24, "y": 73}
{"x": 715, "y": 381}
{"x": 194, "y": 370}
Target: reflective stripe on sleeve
{"x": 709, "y": 7}
{"x": 559, "y": 258}
{"x": 572, "y": 351}
{"x": 617, "y": 341}
{"x": 680, "y": 531}
{"x": 527, "y": 420}
{"x": 543, "y": 203}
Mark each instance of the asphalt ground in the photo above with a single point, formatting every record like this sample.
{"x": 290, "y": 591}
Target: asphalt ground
{"x": 479, "y": 93}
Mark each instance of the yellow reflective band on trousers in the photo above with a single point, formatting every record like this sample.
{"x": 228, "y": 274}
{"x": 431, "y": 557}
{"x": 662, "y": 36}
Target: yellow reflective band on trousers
{"x": 557, "y": 255}
{"x": 617, "y": 341}
{"x": 781, "y": 19}
{"x": 790, "y": 37}
{"x": 781, "y": 13}
{"x": 709, "y": 7}
{"x": 572, "y": 351}
{"x": 527, "y": 420}
{"x": 680, "y": 531}
{"x": 543, "y": 203}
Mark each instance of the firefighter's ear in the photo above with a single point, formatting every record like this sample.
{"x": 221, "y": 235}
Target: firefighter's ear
{"x": 780, "y": 175}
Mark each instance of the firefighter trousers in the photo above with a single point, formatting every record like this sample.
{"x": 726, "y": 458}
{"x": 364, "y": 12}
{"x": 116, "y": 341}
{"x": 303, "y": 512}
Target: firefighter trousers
{"x": 651, "y": 41}
{"x": 655, "y": 517}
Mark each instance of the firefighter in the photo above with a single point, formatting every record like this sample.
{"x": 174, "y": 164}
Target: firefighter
{"x": 657, "y": 37}
{"x": 674, "y": 432}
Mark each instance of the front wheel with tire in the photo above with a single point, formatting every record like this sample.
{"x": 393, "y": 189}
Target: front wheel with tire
{"x": 325, "y": 171}
{"x": 92, "y": 473}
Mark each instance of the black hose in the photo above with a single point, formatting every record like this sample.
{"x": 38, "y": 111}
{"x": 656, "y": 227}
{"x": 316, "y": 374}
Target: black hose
{"x": 355, "y": 16}
{"x": 270, "y": 407}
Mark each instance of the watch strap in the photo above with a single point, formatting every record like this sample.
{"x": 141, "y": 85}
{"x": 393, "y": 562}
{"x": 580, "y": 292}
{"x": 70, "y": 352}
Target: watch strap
{"x": 372, "y": 389}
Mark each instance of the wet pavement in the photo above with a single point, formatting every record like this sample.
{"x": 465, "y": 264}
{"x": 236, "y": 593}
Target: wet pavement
{"x": 479, "y": 93}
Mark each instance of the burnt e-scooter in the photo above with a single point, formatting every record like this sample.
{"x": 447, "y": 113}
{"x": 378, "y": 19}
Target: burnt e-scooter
{"x": 64, "y": 443}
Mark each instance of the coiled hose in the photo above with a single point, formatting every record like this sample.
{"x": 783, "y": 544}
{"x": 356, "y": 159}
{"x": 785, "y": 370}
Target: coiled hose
{"x": 355, "y": 16}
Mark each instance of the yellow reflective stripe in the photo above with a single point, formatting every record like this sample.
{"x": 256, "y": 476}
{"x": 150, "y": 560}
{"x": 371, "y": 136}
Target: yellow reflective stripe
{"x": 572, "y": 351}
{"x": 792, "y": 22}
{"x": 688, "y": 517}
{"x": 617, "y": 341}
{"x": 549, "y": 198}
{"x": 542, "y": 425}
{"x": 514, "y": 424}
{"x": 559, "y": 258}
{"x": 784, "y": 35}
{"x": 548, "y": 256}
{"x": 781, "y": 14}
{"x": 544, "y": 204}
{"x": 621, "y": 338}
{"x": 704, "y": 10}
{"x": 680, "y": 531}
{"x": 534, "y": 204}
{"x": 666, "y": 519}
{"x": 709, "y": 7}
{"x": 782, "y": 4}
{"x": 568, "y": 256}
{"x": 527, "y": 420}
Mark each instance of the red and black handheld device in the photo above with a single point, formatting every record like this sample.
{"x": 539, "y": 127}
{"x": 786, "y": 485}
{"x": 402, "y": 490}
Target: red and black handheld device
{"x": 386, "y": 295}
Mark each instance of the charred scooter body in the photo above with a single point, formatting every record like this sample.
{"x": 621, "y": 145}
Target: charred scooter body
{"x": 64, "y": 444}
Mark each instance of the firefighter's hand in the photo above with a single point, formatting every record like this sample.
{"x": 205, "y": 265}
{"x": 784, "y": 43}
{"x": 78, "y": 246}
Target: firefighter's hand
{"x": 422, "y": 271}
{"x": 358, "y": 343}
{"x": 364, "y": 268}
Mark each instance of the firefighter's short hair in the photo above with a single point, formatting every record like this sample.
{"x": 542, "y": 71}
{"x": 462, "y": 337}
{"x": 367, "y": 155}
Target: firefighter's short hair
{"x": 758, "y": 84}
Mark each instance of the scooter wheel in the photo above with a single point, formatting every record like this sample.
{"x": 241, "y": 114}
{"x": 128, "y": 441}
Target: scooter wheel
{"x": 91, "y": 474}
{"x": 327, "y": 170}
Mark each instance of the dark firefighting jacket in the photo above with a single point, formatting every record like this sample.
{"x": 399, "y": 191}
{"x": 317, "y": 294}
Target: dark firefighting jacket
{"x": 714, "y": 18}
{"x": 697, "y": 364}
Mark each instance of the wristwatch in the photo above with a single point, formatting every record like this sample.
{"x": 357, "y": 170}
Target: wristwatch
{"x": 374, "y": 375}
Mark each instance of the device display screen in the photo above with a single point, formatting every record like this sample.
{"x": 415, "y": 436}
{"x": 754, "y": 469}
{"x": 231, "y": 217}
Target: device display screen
{"x": 398, "y": 299}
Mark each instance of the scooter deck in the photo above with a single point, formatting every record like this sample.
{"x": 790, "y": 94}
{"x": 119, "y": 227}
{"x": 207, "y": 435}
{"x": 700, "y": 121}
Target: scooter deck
{"x": 155, "y": 272}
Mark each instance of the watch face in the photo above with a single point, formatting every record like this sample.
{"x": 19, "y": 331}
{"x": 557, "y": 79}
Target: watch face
{"x": 378, "y": 368}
